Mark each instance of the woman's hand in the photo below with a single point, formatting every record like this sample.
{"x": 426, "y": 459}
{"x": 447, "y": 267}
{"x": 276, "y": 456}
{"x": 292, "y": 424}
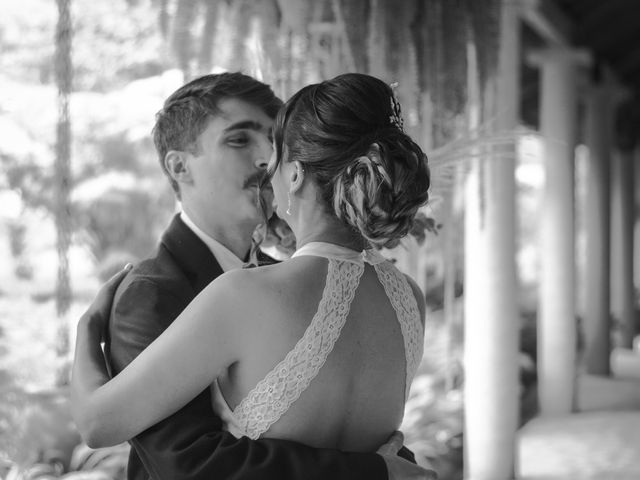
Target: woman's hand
{"x": 96, "y": 317}
{"x": 176, "y": 367}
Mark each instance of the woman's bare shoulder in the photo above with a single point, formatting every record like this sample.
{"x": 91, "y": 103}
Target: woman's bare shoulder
{"x": 249, "y": 289}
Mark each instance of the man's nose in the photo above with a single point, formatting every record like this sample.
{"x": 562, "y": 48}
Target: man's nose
{"x": 261, "y": 162}
{"x": 263, "y": 154}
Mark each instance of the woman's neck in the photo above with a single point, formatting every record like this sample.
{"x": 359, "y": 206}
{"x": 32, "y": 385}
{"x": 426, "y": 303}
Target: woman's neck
{"x": 329, "y": 230}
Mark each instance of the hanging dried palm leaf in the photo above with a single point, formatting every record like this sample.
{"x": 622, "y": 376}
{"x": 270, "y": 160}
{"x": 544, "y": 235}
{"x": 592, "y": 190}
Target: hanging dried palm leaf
{"x": 234, "y": 26}
{"x": 205, "y": 54}
{"x": 297, "y": 14}
{"x": 377, "y": 42}
{"x": 354, "y": 16}
{"x": 243, "y": 11}
{"x": 266, "y": 20}
{"x": 182, "y": 41}
{"x": 485, "y": 28}
{"x": 163, "y": 17}
{"x": 455, "y": 29}
{"x": 325, "y": 34}
{"x": 391, "y": 53}
{"x": 422, "y": 44}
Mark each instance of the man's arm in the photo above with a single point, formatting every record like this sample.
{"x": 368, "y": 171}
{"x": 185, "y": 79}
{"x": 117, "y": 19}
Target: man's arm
{"x": 190, "y": 444}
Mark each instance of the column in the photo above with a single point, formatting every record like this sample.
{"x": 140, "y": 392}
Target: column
{"x": 623, "y": 217}
{"x": 491, "y": 317}
{"x": 597, "y": 229}
{"x": 556, "y": 311}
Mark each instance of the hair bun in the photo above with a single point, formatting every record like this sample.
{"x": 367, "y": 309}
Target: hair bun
{"x": 379, "y": 193}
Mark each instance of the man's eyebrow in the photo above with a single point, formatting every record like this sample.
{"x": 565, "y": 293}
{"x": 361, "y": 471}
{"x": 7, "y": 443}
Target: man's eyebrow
{"x": 245, "y": 125}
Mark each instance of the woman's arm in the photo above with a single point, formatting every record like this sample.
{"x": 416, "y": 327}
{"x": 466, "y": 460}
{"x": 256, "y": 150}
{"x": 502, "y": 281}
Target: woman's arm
{"x": 200, "y": 343}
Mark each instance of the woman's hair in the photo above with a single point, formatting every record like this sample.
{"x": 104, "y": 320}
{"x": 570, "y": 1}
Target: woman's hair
{"x": 347, "y": 132}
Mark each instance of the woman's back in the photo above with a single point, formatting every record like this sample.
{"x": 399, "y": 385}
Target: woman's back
{"x": 357, "y": 398}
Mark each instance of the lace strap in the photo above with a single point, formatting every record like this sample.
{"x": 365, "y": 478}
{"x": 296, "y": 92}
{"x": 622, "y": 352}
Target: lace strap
{"x": 405, "y": 305}
{"x": 282, "y": 386}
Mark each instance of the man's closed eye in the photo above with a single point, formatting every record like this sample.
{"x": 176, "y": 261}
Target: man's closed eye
{"x": 238, "y": 140}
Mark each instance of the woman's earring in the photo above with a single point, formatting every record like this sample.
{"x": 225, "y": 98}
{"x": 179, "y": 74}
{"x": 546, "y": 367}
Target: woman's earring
{"x": 288, "y": 203}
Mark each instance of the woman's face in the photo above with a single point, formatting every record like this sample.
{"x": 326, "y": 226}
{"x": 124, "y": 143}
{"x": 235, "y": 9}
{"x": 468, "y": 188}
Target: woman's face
{"x": 280, "y": 189}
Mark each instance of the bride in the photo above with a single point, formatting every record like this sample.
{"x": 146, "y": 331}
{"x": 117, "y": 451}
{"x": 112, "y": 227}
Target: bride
{"x": 321, "y": 348}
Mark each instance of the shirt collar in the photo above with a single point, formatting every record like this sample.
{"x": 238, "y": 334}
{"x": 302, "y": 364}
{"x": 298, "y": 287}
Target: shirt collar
{"x": 225, "y": 257}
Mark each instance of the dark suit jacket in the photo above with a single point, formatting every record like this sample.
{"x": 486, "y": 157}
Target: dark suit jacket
{"x": 190, "y": 444}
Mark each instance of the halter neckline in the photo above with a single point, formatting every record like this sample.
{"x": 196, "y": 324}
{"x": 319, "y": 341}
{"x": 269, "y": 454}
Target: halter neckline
{"x": 272, "y": 396}
{"x": 338, "y": 252}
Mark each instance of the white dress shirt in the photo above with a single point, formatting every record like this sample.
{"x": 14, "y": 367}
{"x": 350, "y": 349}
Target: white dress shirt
{"x": 225, "y": 257}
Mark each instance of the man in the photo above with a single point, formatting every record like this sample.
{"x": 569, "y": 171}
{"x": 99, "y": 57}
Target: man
{"x": 212, "y": 138}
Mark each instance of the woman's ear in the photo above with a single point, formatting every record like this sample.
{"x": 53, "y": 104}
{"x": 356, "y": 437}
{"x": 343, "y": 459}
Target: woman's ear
{"x": 176, "y": 163}
{"x": 296, "y": 177}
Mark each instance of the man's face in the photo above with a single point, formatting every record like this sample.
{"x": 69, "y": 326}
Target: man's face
{"x": 233, "y": 152}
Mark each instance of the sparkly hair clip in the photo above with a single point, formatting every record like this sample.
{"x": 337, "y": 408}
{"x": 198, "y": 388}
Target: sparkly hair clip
{"x": 396, "y": 114}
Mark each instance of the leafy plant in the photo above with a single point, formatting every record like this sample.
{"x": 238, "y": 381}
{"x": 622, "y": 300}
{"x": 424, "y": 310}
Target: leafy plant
{"x": 45, "y": 444}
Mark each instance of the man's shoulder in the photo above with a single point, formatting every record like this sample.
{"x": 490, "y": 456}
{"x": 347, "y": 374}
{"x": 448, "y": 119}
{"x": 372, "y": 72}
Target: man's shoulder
{"x": 161, "y": 272}
{"x": 146, "y": 302}
{"x": 161, "y": 266}
{"x": 156, "y": 285}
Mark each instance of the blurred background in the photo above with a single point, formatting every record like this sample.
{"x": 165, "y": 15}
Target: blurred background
{"x": 529, "y": 112}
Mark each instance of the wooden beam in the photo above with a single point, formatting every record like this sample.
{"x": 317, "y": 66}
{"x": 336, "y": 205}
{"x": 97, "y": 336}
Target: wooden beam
{"x": 580, "y": 57}
{"x": 548, "y": 21}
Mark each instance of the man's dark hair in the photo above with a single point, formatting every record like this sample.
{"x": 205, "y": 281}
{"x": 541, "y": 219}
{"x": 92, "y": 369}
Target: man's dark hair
{"x": 185, "y": 114}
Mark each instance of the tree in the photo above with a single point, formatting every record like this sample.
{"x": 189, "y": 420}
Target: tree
{"x": 64, "y": 73}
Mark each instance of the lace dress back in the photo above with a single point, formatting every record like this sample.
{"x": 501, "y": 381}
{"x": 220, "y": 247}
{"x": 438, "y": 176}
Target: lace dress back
{"x": 284, "y": 384}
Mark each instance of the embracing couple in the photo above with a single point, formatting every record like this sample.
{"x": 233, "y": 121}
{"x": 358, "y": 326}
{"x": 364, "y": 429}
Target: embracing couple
{"x": 292, "y": 370}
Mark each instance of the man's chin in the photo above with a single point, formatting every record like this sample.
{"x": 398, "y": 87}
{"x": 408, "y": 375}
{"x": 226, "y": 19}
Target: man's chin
{"x": 265, "y": 204}
{"x": 268, "y": 211}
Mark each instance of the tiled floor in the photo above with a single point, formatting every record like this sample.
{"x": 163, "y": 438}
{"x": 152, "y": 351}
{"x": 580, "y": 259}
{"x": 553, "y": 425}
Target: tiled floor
{"x": 600, "y": 442}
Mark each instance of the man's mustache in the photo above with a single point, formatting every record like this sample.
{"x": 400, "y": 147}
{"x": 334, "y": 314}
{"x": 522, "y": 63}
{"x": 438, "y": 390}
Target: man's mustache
{"x": 258, "y": 180}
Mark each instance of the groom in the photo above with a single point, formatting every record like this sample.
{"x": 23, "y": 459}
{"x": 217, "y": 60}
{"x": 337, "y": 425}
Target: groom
{"x": 212, "y": 139}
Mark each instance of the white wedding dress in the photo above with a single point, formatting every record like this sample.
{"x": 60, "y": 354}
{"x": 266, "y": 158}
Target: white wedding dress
{"x": 272, "y": 396}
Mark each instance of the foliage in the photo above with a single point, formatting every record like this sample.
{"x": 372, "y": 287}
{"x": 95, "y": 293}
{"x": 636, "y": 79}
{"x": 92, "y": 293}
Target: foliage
{"x": 124, "y": 40}
{"x": 44, "y": 443}
{"x": 124, "y": 220}
{"x": 104, "y": 33}
{"x": 433, "y": 420}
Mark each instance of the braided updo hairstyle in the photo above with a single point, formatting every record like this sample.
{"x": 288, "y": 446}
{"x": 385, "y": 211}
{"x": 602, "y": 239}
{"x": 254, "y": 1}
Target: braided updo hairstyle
{"x": 347, "y": 132}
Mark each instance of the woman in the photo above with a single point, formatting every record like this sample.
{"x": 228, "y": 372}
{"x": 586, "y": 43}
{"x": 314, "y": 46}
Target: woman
{"x": 321, "y": 348}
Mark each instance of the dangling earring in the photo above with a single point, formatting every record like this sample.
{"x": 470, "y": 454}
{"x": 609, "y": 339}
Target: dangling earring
{"x": 288, "y": 203}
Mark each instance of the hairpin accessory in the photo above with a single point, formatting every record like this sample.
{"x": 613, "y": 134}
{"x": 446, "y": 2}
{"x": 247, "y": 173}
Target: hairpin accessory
{"x": 396, "y": 114}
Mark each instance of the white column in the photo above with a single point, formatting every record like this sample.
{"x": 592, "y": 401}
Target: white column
{"x": 490, "y": 290}
{"x": 597, "y": 229}
{"x": 556, "y": 312}
{"x": 636, "y": 222}
{"x": 623, "y": 213}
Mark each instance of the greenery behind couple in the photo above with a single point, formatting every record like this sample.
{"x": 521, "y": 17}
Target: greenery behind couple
{"x": 119, "y": 197}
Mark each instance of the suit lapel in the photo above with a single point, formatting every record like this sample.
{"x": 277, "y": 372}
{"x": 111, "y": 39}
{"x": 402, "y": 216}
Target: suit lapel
{"x": 191, "y": 254}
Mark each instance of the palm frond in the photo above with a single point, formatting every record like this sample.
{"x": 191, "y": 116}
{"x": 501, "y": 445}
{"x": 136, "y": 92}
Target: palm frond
{"x": 454, "y": 158}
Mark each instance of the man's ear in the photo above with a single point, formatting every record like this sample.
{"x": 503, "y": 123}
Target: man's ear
{"x": 177, "y": 164}
{"x": 296, "y": 177}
